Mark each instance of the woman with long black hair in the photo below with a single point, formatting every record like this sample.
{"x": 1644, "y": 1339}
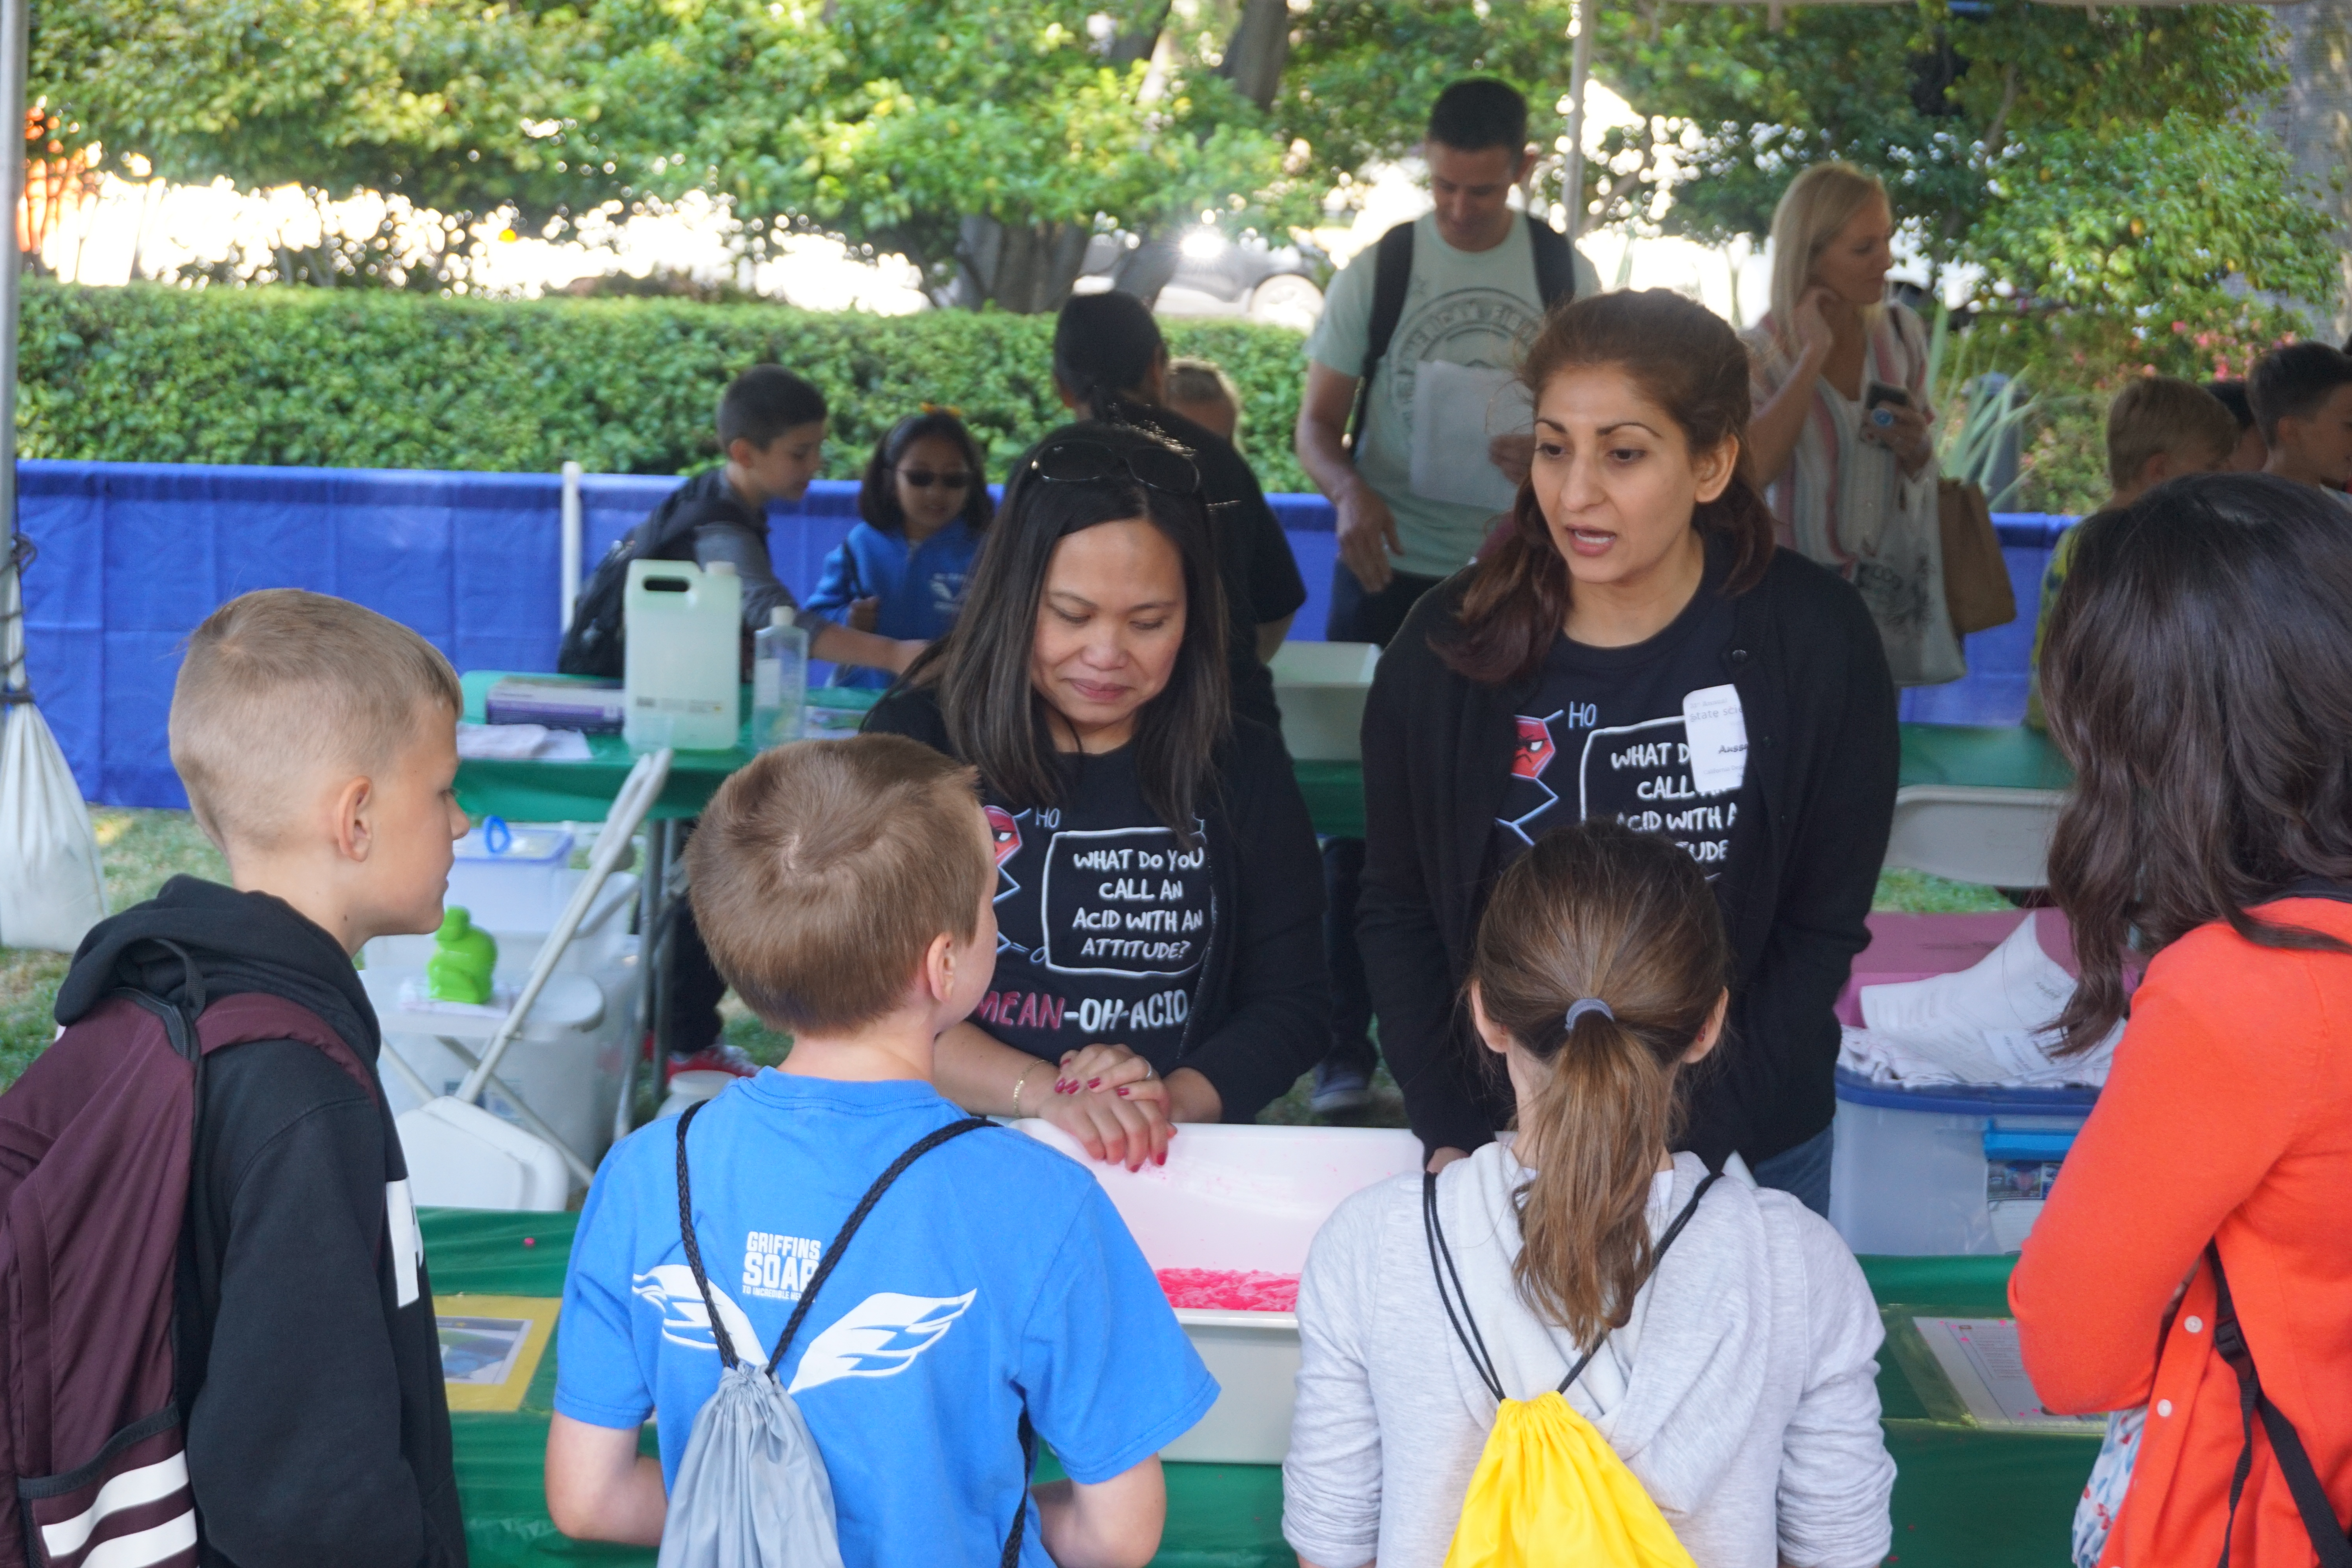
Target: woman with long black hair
{"x": 1635, "y": 648}
{"x": 2198, "y": 676}
{"x": 1160, "y": 897}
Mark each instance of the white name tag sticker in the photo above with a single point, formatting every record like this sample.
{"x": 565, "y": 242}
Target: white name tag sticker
{"x": 1718, "y": 733}
{"x": 401, "y": 1237}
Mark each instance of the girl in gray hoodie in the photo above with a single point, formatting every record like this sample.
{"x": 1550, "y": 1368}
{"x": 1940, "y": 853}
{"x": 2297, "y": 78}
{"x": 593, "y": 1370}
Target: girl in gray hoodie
{"x": 1733, "y": 1373}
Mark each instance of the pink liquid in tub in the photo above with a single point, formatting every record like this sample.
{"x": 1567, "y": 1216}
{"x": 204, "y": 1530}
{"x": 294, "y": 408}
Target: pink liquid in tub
{"x": 1230, "y": 1289}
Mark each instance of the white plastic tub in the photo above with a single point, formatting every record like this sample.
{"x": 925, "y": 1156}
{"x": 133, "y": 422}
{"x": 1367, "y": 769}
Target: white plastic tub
{"x": 1321, "y": 687}
{"x": 1242, "y": 1198}
{"x": 1946, "y": 1172}
{"x": 514, "y": 886}
{"x": 573, "y": 1057}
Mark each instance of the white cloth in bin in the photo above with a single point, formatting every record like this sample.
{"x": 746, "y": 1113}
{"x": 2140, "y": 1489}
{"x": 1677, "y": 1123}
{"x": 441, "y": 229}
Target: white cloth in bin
{"x": 521, "y": 743}
{"x": 1985, "y": 1024}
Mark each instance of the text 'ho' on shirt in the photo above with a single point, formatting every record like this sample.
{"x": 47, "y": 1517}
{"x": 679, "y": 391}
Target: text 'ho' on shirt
{"x": 1650, "y": 735}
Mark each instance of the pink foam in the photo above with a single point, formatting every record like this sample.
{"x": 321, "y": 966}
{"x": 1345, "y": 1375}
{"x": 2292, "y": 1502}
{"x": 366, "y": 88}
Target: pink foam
{"x": 1230, "y": 1289}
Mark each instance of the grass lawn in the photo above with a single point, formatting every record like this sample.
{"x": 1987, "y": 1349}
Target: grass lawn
{"x": 144, "y": 849}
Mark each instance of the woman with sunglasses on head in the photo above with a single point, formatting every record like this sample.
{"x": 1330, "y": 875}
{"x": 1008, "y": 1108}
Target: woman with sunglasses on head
{"x": 922, "y": 507}
{"x": 1160, "y": 904}
{"x": 1111, "y": 362}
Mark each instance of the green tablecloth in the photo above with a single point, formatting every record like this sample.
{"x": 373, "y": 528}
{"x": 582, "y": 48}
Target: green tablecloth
{"x": 583, "y": 791}
{"x": 1984, "y": 756}
{"x": 1963, "y": 1498}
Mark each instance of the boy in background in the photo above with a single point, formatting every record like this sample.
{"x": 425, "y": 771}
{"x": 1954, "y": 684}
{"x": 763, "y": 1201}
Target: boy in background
{"x": 2158, "y": 429}
{"x": 846, "y": 889}
{"x": 317, "y": 742}
{"x": 771, "y": 425}
{"x": 1199, "y": 391}
{"x": 2301, "y": 396}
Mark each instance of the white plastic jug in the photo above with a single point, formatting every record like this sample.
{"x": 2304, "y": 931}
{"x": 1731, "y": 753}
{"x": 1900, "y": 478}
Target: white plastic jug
{"x": 683, "y": 660}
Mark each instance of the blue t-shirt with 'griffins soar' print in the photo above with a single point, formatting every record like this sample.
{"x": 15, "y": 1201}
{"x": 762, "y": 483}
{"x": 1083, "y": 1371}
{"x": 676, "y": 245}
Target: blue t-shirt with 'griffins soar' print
{"x": 993, "y": 1274}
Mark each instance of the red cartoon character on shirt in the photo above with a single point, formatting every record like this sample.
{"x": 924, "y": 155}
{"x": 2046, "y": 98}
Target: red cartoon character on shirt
{"x": 1536, "y": 749}
{"x": 1005, "y": 832}
{"x": 1534, "y": 754}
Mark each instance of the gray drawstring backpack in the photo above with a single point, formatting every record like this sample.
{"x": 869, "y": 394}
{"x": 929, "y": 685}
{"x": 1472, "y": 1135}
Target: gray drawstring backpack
{"x": 752, "y": 1489}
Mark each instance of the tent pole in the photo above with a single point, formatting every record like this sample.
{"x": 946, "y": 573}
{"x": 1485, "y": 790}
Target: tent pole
{"x": 1580, "y": 76}
{"x": 15, "y": 15}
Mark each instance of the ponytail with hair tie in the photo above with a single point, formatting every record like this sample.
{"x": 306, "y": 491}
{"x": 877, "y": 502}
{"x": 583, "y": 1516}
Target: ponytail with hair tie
{"x": 1591, "y": 909}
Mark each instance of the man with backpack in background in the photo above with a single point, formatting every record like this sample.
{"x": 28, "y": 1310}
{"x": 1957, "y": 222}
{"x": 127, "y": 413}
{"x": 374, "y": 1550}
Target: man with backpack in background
{"x": 1465, "y": 285}
{"x": 217, "y": 1342}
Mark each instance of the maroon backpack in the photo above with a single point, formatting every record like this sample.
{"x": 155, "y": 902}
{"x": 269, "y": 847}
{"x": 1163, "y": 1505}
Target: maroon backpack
{"x": 96, "y": 1144}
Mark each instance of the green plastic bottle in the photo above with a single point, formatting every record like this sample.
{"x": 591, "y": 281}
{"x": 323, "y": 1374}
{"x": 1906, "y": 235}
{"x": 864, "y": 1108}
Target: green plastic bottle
{"x": 463, "y": 961}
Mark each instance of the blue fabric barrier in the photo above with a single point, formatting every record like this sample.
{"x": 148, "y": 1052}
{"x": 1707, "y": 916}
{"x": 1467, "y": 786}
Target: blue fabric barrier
{"x": 132, "y": 555}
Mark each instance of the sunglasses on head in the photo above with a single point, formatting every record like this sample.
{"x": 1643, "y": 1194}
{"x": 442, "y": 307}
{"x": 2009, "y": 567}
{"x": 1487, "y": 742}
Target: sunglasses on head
{"x": 923, "y": 480}
{"x": 1087, "y": 462}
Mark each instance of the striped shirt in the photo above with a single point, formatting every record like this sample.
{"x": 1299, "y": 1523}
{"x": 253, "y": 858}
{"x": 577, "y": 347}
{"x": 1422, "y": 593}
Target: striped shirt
{"x": 1834, "y": 499}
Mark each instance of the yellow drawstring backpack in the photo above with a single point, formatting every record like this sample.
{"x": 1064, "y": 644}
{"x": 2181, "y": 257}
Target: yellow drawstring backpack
{"x": 1549, "y": 1491}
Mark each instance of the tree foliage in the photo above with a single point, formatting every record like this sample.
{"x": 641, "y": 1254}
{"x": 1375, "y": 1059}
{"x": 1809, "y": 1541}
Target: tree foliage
{"x": 2095, "y": 174}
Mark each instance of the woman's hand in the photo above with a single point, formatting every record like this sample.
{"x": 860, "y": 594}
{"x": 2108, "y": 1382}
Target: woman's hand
{"x": 1809, "y": 321}
{"x": 1906, "y": 434}
{"x": 865, "y": 614}
{"x": 1113, "y": 1103}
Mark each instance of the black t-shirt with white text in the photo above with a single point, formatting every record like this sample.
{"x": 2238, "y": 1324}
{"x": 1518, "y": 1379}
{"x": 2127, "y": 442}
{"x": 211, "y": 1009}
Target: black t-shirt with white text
{"x": 1608, "y": 735}
{"x": 1103, "y": 918}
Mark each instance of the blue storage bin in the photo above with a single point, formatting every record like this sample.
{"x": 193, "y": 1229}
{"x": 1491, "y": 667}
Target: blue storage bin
{"x": 1946, "y": 1172}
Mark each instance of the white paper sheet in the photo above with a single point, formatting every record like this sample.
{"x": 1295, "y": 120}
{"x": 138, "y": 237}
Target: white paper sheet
{"x": 1456, "y": 410}
{"x": 1982, "y": 1359}
{"x": 521, "y": 743}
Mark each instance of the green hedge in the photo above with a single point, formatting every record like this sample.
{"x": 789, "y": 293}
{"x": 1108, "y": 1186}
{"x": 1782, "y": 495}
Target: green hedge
{"x": 330, "y": 378}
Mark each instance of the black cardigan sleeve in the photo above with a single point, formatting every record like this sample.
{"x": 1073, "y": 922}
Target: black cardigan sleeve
{"x": 1769, "y": 1093}
{"x": 1407, "y": 825}
{"x": 1278, "y": 1000}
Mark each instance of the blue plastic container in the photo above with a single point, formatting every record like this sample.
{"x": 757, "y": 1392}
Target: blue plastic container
{"x": 1946, "y": 1172}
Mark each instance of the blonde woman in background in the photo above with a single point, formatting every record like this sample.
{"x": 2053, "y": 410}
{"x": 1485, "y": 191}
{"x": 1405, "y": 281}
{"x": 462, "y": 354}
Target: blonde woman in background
{"x": 1840, "y": 434}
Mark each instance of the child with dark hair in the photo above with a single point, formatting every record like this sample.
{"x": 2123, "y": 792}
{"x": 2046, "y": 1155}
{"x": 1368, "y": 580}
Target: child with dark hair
{"x": 2301, "y": 396}
{"x": 922, "y": 508}
{"x": 1717, "y": 1337}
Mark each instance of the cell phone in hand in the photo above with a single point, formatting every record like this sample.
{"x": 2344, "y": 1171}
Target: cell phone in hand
{"x": 1879, "y": 398}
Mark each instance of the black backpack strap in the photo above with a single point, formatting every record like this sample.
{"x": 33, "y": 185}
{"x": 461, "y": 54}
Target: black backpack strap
{"x": 1391, "y": 278}
{"x": 1555, "y": 263}
{"x": 694, "y": 1248}
{"x": 1441, "y": 1263}
{"x": 1657, "y": 1256}
{"x": 1011, "y": 1556}
{"x": 2319, "y": 1521}
{"x": 922, "y": 1146}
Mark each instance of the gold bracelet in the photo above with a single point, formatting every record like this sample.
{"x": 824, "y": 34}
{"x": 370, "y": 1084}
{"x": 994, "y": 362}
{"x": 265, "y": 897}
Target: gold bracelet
{"x": 1017, "y": 1084}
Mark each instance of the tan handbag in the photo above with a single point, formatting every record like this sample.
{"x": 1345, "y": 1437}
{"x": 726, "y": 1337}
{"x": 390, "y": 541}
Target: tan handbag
{"x": 1977, "y": 589}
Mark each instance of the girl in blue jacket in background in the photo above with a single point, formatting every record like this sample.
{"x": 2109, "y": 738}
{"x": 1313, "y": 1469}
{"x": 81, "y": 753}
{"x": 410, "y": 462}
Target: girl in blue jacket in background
{"x": 901, "y": 570}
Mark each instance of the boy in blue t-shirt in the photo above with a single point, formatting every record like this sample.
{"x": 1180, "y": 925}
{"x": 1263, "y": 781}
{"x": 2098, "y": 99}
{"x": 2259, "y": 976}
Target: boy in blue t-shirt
{"x": 844, "y": 889}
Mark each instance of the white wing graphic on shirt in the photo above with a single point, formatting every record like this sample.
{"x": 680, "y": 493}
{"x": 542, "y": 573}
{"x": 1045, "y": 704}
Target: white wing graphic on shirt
{"x": 879, "y": 1337}
{"x": 670, "y": 1288}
